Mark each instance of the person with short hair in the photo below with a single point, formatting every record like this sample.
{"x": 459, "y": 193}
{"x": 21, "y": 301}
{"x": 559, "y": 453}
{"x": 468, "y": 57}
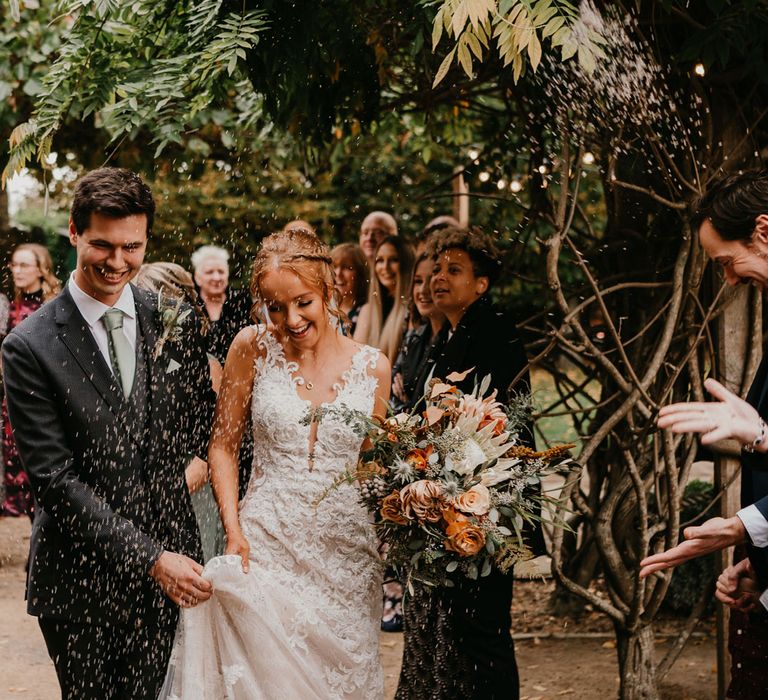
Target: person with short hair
{"x": 731, "y": 220}
{"x": 458, "y": 642}
{"x": 228, "y": 310}
{"x": 107, "y": 397}
{"x": 377, "y": 226}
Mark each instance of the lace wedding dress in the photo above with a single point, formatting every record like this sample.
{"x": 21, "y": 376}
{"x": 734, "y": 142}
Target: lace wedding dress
{"x": 303, "y": 623}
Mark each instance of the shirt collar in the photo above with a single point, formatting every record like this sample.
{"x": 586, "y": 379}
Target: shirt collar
{"x": 92, "y": 309}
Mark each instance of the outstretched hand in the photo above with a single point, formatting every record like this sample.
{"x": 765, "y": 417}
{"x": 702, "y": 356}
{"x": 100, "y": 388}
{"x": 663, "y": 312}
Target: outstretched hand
{"x": 737, "y": 587}
{"x": 727, "y": 418}
{"x": 712, "y": 536}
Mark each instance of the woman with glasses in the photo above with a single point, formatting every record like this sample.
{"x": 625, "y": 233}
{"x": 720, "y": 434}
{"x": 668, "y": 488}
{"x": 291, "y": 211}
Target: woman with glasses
{"x": 33, "y": 284}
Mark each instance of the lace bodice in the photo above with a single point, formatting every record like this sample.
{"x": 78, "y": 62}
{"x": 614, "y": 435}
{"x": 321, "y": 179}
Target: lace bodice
{"x": 282, "y": 419}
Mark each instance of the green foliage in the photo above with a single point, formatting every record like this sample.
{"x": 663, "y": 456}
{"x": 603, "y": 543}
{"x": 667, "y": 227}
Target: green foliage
{"x": 519, "y": 27}
{"x": 138, "y": 65}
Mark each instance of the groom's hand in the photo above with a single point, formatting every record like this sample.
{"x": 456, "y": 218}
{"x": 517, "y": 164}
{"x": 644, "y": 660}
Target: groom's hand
{"x": 179, "y": 578}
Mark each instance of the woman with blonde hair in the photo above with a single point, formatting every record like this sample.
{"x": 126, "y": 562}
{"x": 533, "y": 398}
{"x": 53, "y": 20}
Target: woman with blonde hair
{"x": 295, "y": 609}
{"x": 33, "y": 284}
{"x": 174, "y": 282}
{"x": 384, "y": 318}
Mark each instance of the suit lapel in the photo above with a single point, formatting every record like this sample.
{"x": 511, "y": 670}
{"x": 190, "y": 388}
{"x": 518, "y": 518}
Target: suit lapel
{"x": 76, "y": 336}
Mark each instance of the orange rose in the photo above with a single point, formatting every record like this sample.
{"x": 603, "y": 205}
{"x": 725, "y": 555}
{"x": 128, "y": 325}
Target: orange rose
{"x": 419, "y": 459}
{"x": 392, "y": 509}
{"x": 464, "y": 538}
{"x": 423, "y": 500}
{"x": 451, "y": 515}
{"x": 476, "y": 501}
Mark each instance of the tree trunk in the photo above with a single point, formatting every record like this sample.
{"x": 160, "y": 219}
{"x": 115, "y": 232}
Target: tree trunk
{"x": 637, "y": 664}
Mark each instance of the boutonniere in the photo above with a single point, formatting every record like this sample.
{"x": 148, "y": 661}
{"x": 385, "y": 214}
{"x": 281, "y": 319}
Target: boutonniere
{"x": 172, "y": 318}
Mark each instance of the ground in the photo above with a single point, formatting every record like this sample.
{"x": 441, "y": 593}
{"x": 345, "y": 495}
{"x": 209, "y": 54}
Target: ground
{"x": 573, "y": 659}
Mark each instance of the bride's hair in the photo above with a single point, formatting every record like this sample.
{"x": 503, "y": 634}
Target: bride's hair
{"x": 303, "y": 253}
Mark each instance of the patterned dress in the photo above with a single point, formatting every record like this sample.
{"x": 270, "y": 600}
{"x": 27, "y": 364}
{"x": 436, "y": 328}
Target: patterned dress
{"x": 18, "y": 495}
{"x": 303, "y": 623}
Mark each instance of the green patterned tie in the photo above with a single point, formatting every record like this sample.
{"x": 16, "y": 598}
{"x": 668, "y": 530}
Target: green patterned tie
{"x": 121, "y": 354}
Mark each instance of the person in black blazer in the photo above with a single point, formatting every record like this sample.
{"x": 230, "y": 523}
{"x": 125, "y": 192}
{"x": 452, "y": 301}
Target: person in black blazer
{"x": 457, "y": 640}
{"x": 732, "y": 223}
{"x": 105, "y": 420}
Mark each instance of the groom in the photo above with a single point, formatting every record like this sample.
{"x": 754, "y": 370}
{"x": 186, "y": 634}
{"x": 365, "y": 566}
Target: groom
{"x": 106, "y": 415}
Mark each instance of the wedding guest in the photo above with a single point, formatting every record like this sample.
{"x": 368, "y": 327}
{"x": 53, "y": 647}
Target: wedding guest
{"x": 350, "y": 273}
{"x": 228, "y": 310}
{"x": 5, "y": 308}
{"x": 457, "y": 640}
{"x": 34, "y": 283}
{"x": 299, "y": 224}
{"x": 377, "y": 226}
{"x": 436, "y": 224}
{"x": 427, "y": 321}
{"x": 732, "y": 224}
{"x": 4, "y": 311}
{"x": 384, "y": 317}
{"x": 175, "y": 283}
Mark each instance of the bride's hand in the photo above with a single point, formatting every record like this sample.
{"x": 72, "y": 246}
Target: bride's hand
{"x": 237, "y": 544}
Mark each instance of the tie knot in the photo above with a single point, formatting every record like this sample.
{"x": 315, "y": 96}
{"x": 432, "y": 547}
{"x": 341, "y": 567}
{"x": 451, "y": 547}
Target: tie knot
{"x": 113, "y": 319}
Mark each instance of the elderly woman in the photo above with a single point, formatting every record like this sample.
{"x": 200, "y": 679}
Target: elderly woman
{"x": 228, "y": 310}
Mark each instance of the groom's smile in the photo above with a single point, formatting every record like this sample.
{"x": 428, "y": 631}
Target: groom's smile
{"x": 109, "y": 254}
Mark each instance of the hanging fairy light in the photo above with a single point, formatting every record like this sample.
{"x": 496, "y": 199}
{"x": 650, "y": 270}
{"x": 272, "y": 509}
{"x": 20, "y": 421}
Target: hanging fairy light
{"x": 501, "y": 184}
{"x": 700, "y": 70}
{"x": 542, "y": 169}
{"x": 473, "y": 154}
{"x": 484, "y": 176}
{"x": 515, "y": 186}
{"x": 588, "y": 158}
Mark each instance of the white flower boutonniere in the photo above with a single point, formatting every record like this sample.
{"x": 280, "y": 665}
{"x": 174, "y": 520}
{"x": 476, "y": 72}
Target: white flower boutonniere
{"x": 172, "y": 318}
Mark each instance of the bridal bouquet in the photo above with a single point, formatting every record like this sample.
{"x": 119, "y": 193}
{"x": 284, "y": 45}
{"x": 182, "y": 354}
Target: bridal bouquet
{"x": 447, "y": 483}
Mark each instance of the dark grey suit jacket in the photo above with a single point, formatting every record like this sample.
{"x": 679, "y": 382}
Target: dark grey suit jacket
{"x": 110, "y": 497}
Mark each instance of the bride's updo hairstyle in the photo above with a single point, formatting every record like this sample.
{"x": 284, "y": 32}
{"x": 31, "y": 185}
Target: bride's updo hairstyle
{"x": 300, "y": 251}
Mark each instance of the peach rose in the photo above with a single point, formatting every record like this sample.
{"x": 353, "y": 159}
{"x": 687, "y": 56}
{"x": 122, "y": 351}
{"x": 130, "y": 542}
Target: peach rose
{"x": 392, "y": 509}
{"x": 423, "y": 500}
{"x": 464, "y": 538}
{"x": 476, "y": 501}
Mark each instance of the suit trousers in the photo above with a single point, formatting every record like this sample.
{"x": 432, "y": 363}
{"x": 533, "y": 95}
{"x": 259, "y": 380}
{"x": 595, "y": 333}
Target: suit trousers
{"x": 110, "y": 662}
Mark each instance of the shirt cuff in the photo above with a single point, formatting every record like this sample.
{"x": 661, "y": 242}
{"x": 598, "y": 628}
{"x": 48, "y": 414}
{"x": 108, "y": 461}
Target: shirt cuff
{"x": 755, "y": 524}
{"x": 764, "y": 598}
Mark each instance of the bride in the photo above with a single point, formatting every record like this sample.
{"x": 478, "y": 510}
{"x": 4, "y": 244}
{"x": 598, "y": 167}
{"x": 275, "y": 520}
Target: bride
{"x": 297, "y": 595}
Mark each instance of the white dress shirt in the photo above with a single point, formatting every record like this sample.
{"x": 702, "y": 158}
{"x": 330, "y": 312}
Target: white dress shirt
{"x": 92, "y": 311}
{"x": 757, "y": 527}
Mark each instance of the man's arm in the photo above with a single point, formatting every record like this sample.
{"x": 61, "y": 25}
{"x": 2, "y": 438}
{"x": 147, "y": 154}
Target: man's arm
{"x": 53, "y": 474}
